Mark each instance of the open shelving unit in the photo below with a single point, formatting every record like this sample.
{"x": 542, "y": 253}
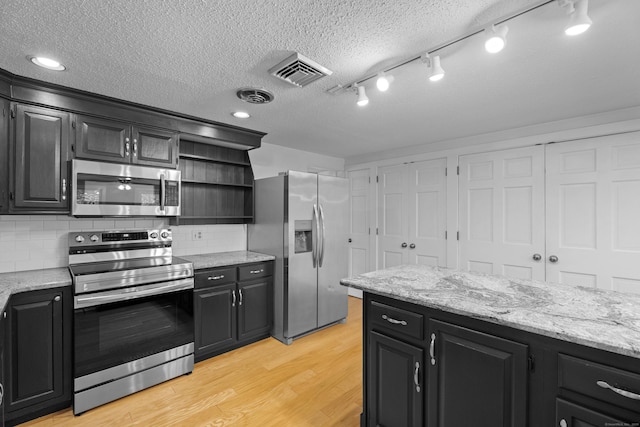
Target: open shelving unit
{"x": 217, "y": 184}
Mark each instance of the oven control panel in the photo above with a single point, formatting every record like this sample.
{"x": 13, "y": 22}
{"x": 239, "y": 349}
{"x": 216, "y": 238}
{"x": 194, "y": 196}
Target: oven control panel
{"x": 93, "y": 238}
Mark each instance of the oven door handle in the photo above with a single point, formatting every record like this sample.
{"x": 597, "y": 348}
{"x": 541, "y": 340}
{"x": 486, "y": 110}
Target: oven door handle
{"x": 131, "y": 293}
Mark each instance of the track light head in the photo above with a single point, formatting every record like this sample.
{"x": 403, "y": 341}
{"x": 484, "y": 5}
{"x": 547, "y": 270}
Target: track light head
{"x": 383, "y": 81}
{"x": 496, "y": 38}
{"x": 435, "y": 69}
{"x": 362, "y": 95}
{"x": 579, "y": 21}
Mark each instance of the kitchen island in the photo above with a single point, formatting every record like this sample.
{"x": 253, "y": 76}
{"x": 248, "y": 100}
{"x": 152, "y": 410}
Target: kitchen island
{"x": 445, "y": 347}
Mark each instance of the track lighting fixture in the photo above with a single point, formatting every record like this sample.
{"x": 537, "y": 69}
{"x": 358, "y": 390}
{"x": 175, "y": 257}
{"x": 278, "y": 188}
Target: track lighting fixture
{"x": 362, "y": 95}
{"x": 579, "y": 21}
{"x": 496, "y": 38}
{"x": 435, "y": 70}
{"x": 383, "y": 81}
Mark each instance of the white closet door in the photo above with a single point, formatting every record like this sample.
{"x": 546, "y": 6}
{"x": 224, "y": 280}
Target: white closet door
{"x": 427, "y": 213}
{"x": 593, "y": 212}
{"x": 359, "y": 227}
{"x": 501, "y": 212}
{"x": 393, "y": 221}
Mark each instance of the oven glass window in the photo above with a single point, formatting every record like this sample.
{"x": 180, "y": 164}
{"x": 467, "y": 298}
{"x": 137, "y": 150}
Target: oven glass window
{"x": 112, "y": 334}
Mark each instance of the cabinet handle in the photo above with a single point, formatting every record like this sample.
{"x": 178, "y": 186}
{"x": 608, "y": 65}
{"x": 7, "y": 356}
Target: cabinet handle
{"x": 563, "y": 423}
{"x": 64, "y": 188}
{"x": 216, "y": 277}
{"x": 135, "y": 147}
{"x": 240, "y": 293}
{"x": 416, "y": 380}
{"x": 256, "y": 271}
{"x": 233, "y": 296}
{"x": 394, "y": 321}
{"x": 126, "y": 147}
{"x": 432, "y": 349}
{"x": 1, "y": 393}
{"x": 620, "y": 391}
{"x": 57, "y": 298}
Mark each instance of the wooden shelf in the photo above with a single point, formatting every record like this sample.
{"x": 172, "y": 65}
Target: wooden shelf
{"x": 207, "y": 159}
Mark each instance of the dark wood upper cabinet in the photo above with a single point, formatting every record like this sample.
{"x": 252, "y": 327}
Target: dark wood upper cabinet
{"x": 40, "y": 154}
{"x": 122, "y": 142}
{"x": 4, "y": 154}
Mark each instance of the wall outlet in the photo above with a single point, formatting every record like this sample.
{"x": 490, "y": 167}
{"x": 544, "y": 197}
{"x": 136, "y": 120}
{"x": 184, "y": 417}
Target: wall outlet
{"x": 196, "y": 235}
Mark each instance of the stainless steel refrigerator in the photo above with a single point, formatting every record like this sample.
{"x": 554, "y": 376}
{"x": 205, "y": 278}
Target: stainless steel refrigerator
{"x": 301, "y": 219}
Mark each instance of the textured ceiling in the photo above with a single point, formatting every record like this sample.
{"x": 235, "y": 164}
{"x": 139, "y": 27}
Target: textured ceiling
{"x": 191, "y": 56}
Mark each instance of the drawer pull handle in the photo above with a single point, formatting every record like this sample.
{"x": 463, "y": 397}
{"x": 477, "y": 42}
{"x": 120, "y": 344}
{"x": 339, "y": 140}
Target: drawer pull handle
{"x": 394, "y": 321}
{"x": 256, "y": 271}
{"x": 216, "y": 277}
{"x": 621, "y": 392}
{"x": 416, "y": 380}
{"x": 432, "y": 349}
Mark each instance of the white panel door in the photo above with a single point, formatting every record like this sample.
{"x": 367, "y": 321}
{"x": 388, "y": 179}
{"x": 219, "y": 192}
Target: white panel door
{"x": 501, "y": 213}
{"x": 593, "y": 212}
{"x": 427, "y": 213}
{"x": 393, "y": 220}
{"x": 359, "y": 227}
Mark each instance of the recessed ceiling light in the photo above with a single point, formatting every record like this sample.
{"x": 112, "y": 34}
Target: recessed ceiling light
{"x": 48, "y": 63}
{"x": 241, "y": 114}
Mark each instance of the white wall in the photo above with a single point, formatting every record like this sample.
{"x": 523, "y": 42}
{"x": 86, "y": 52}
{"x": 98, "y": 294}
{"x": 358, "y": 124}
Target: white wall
{"x": 269, "y": 160}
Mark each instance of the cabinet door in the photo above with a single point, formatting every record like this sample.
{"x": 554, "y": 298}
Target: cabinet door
{"x": 34, "y": 363}
{"x": 255, "y": 312}
{"x": 571, "y": 415}
{"x": 154, "y": 147}
{"x": 475, "y": 377}
{"x": 395, "y": 391}
{"x": 393, "y": 208}
{"x": 215, "y": 318}
{"x": 4, "y": 155}
{"x": 41, "y": 153}
{"x": 100, "y": 139}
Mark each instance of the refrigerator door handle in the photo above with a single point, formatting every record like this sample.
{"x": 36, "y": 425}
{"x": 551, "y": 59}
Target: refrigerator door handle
{"x": 314, "y": 235}
{"x": 321, "y": 256}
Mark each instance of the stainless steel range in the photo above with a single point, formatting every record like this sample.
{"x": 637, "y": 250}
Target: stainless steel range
{"x": 133, "y": 313}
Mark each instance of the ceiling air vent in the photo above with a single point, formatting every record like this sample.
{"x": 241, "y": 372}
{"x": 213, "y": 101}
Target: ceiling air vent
{"x": 299, "y": 71}
{"x": 255, "y": 96}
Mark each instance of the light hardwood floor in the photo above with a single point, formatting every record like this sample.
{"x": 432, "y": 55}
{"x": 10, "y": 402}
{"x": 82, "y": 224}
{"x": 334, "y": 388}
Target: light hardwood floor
{"x": 316, "y": 381}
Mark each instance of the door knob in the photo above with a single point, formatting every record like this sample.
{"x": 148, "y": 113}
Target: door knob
{"x": 537, "y": 257}
{"x": 412, "y": 246}
{"x": 350, "y": 240}
{"x": 403, "y": 245}
{"x": 553, "y": 258}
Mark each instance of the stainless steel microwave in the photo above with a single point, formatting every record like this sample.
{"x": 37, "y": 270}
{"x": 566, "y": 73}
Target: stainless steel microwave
{"x": 111, "y": 189}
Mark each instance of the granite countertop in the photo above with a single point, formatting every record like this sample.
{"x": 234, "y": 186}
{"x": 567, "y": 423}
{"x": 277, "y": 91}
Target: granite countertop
{"x": 22, "y": 281}
{"x": 597, "y": 318}
{"x": 222, "y": 259}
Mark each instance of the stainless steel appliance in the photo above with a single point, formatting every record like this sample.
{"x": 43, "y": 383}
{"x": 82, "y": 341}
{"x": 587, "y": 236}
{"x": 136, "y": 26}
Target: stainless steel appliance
{"x": 111, "y": 189}
{"x": 133, "y": 313}
{"x": 301, "y": 219}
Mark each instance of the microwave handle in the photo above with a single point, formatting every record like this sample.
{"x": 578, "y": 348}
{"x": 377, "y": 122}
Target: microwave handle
{"x": 163, "y": 188}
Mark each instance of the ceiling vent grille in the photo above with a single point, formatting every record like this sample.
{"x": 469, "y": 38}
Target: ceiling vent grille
{"x": 255, "y": 96}
{"x": 299, "y": 70}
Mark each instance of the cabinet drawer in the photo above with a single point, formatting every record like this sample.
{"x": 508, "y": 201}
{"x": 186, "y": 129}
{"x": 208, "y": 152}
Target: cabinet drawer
{"x": 583, "y": 376}
{"x": 253, "y": 271}
{"x": 216, "y": 276}
{"x": 397, "y": 320}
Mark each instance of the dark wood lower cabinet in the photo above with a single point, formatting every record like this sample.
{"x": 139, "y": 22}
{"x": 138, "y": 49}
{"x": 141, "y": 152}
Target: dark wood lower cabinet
{"x": 475, "y": 378}
{"x": 472, "y": 372}
{"x": 37, "y": 359}
{"x": 231, "y": 312}
{"x": 395, "y": 375}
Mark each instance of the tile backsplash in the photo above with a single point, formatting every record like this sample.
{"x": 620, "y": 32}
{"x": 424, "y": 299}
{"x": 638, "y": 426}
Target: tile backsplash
{"x": 31, "y": 242}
